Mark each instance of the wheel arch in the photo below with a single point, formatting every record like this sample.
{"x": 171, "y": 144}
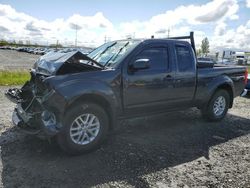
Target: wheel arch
{"x": 96, "y": 99}
{"x": 229, "y": 89}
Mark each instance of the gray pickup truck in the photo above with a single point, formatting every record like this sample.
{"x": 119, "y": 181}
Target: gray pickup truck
{"x": 78, "y": 98}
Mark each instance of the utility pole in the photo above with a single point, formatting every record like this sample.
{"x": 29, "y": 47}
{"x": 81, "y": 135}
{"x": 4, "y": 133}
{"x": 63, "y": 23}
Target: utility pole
{"x": 76, "y": 36}
{"x": 168, "y": 32}
{"x": 105, "y": 39}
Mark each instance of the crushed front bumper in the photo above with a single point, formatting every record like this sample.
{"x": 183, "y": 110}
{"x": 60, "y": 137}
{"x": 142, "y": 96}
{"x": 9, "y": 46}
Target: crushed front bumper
{"x": 23, "y": 120}
{"x": 40, "y": 122}
{"x": 19, "y": 122}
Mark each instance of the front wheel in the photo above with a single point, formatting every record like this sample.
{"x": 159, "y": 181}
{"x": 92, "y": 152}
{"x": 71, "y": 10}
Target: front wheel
{"x": 217, "y": 107}
{"x": 84, "y": 129}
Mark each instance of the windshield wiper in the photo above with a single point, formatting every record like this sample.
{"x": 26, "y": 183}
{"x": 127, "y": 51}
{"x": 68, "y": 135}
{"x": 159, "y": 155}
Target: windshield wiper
{"x": 115, "y": 55}
{"x": 98, "y": 55}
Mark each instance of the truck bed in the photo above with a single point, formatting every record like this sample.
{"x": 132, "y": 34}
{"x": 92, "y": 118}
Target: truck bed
{"x": 209, "y": 77}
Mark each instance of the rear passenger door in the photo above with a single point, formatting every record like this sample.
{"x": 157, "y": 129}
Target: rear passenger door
{"x": 185, "y": 82}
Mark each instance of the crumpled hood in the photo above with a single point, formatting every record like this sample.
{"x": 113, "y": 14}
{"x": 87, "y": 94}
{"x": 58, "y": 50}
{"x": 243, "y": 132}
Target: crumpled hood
{"x": 50, "y": 63}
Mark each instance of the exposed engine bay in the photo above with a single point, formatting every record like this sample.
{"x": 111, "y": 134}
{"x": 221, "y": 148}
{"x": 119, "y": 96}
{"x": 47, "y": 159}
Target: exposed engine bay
{"x": 33, "y": 111}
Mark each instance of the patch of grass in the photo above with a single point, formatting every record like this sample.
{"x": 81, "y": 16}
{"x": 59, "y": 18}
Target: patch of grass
{"x": 13, "y": 77}
{"x": 248, "y": 67}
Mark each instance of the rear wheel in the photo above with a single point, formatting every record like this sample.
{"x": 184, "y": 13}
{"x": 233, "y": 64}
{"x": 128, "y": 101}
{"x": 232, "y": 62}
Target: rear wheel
{"x": 217, "y": 107}
{"x": 84, "y": 129}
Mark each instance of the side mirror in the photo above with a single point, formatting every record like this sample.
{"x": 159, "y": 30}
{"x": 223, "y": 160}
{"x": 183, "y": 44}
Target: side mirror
{"x": 140, "y": 64}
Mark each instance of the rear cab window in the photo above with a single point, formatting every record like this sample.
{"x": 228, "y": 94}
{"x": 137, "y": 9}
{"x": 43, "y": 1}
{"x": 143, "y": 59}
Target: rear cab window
{"x": 185, "y": 60}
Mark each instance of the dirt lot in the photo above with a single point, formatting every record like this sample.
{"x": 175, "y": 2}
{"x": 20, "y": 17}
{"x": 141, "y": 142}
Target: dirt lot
{"x": 12, "y": 60}
{"x": 173, "y": 150}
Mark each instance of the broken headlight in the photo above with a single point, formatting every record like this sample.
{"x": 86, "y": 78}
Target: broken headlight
{"x": 48, "y": 118}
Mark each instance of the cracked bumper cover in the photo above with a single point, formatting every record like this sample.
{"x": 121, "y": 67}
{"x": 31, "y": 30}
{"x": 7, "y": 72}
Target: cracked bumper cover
{"x": 45, "y": 122}
{"x": 21, "y": 119}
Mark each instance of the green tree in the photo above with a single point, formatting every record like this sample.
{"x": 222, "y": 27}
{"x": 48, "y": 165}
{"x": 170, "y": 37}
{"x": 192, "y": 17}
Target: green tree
{"x": 199, "y": 53}
{"x": 205, "y": 46}
{"x": 3, "y": 43}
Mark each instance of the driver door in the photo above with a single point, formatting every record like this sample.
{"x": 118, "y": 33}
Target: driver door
{"x": 150, "y": 89}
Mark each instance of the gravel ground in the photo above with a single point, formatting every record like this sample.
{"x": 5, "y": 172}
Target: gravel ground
{"x": 13, "y": 60}
{"x": 173, "y": 150}
{"x": 162, "y": 151}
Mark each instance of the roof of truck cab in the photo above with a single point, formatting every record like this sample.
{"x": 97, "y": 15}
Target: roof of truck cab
{"x": 156, "y": 40}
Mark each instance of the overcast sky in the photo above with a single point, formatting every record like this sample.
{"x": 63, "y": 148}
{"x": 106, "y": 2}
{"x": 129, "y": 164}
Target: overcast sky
{"x": 226, "y": 23}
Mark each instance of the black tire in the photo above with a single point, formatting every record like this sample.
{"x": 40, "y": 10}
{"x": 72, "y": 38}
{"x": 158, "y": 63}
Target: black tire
{"x": 248, "y": 94}
{"x": 64, "y": 139}
{"x": 208, "y": 111}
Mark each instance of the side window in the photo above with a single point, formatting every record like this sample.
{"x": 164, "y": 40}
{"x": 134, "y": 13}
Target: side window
{"x": 184, "y": 59}
{"x": 158, "y": 58}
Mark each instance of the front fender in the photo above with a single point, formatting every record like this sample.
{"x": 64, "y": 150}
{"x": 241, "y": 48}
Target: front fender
{"x": 73, "y": 90}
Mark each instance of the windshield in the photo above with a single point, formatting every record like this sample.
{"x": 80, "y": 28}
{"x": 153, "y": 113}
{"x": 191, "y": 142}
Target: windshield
{"x": 110, "y": 53}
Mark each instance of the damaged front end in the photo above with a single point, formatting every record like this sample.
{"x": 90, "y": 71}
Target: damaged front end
{"x": 33, "y": 113}
{"x": 40, "y": 108}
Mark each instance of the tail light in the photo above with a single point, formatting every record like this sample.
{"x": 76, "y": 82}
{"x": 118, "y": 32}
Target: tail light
{"x": 246, "y": 75}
